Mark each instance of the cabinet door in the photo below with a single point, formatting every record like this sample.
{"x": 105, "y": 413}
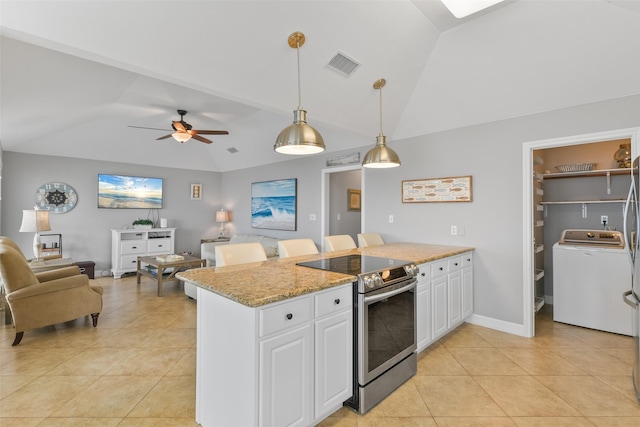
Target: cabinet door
{"x": 286, "y": 371}
{"x": 467, "y": 292}
{"x": 454, "y": 289}
{"x": 423, "y": 315}
{"x": 333, "y": 363}
{"x": 439, "y": 306}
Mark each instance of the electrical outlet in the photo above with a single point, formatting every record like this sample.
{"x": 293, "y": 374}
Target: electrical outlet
{"x": 338, "y": 217}
{"x": 312, "y": 217}
{"x": 454, "y": 230}
{"x": 604, "y": 219}
{"x": 390, "y": 219}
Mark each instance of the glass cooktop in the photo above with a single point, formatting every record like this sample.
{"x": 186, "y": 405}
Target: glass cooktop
{"x": 355, "y": 264}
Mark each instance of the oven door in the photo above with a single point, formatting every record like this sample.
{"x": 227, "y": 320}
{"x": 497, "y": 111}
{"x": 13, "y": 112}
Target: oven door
{"x": 386, "y": 328}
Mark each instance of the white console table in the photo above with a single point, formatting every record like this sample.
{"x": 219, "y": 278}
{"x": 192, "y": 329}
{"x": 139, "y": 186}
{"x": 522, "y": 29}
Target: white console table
{"x": 128, "y": 244}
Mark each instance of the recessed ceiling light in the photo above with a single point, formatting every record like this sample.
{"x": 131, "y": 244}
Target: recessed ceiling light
{"x": 462, "y": 8}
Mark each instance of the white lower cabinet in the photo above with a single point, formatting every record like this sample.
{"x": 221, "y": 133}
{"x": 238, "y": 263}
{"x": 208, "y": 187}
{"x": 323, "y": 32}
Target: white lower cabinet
{"x": 284, "y": 364}
{"x": 444, "y": 297}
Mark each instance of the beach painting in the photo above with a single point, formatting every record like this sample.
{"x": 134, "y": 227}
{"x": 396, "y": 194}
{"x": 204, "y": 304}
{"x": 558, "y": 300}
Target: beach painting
{"x": 273, "y": 204}
{"x": 129, "y": 192}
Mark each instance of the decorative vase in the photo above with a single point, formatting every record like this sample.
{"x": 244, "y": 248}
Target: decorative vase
{"x": 623, "y": 155}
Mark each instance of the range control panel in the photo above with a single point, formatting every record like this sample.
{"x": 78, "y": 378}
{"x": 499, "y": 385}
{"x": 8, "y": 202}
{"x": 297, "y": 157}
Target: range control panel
{"x": 592, "y": 237}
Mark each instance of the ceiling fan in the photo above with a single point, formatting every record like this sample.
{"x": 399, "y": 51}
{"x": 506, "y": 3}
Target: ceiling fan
{"x": 184, "y": 131}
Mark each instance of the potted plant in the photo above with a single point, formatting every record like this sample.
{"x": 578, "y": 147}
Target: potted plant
{"x": 142, "y": 224}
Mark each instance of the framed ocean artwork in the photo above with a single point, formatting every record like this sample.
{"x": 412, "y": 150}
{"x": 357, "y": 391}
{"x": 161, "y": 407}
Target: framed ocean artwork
{"x": 273, "y": 204}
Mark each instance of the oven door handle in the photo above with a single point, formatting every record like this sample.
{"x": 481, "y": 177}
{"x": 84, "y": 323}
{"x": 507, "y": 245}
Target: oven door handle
{"x": 385, "y": 295}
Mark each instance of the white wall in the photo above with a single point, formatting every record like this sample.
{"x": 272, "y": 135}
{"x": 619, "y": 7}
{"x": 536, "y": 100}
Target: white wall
{"x": 86, "y": 229}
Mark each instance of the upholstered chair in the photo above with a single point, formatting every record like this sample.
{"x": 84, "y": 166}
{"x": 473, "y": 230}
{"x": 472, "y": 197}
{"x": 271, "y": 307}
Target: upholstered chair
{"x": 369, "y": 239}
{"x": 296, "y": 247}
{"x": 339, "y": 242}
{"x": 239, "y": 253}
{"x": 46, "y": 299}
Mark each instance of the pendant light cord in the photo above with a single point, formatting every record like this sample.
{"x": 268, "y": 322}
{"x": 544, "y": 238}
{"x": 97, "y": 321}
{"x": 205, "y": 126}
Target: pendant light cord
{"x": 380, "y": 110}
{"x": 299, "y": 92}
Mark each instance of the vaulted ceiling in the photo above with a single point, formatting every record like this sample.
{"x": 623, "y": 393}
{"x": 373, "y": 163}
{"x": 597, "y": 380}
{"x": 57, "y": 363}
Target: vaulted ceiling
{"x": 75, "y": 75}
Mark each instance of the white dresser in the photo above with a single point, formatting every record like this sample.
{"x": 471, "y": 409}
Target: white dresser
{"x": 128, "y": 244}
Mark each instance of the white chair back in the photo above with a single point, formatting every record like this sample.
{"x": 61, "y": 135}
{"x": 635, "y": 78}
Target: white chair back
{"x": 339, "y": 242}
{"x": 296, "y": 247}
{"x": 369, "y": 239}
{"x": 239, "y": 253}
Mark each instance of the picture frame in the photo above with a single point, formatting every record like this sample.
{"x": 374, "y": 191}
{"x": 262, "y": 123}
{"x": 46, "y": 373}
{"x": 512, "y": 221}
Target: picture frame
{"x": 274, "y": 204}
{"x": 196, "y": 191}
{"x": 354, "y": 200}
{"x": 442, "y": 190}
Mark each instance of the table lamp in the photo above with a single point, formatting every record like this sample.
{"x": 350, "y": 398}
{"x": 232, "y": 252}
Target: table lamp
{"x": 222, "y": 216}
{"x": 35, "y": 221}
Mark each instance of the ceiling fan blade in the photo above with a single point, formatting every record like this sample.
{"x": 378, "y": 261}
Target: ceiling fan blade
{"x": 164, "y": 137}
{"x": 179, "y": 127}
{"x": 141, "y": 127}
{"x": 212, "y": 132}
{"x": 201, "y": 139}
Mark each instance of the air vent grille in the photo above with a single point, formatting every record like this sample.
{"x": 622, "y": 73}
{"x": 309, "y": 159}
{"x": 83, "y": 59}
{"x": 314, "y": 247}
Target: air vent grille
{"x": 232, "y": 150}
{"x": 343, "y": 64}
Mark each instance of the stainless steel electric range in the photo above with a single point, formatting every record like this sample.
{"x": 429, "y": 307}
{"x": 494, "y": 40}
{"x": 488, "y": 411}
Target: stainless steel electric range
{"x": 384, "y": 324}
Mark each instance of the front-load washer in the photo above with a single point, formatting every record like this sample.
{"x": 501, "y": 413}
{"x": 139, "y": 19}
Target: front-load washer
{"x": 590, "y": 271}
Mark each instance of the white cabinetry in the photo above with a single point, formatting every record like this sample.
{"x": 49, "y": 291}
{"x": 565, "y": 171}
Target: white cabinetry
{"x": 284, "y": 364}
{"x": 444, "y": 297}
{"x": 128, "y": 244}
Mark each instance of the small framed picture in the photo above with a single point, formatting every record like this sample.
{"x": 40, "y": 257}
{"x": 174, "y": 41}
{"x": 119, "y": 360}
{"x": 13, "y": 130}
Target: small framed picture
{"x": 196, "y": 191}
{"x": 354, "y": 201}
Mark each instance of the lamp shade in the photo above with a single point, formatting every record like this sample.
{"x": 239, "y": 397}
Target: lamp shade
{"x": 34, "y": 221}
{"x": 381, "y": 156}
{"x": 299, "y": 138}
{"x": 181, "y": 136}
{"x": 222, "y": 216}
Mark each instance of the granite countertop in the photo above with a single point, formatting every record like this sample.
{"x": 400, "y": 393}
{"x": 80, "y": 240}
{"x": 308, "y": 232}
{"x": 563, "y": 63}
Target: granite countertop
{"x": 260, "y": 283}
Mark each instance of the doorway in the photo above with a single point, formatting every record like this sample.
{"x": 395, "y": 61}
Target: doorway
{"x": 529, "y": 251}
{"x": 337, "y": 218}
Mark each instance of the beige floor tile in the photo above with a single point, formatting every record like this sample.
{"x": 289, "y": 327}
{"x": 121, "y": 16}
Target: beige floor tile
{"x": 154, "y": 320}
{"x": 20, "y": 422}
{"x": 158, "y": 422}
{"x": 615, "y": 421}
{"x": 186, "y": 366}
{"x": 80, "y": 422}
{"x": 108, "y": 397}
{"x": 171, "y": 397}
{"x": 456, "y": 396}
{"x": 500, "y": 339}
{"x": 558, "y": 338}
{"x": 474, "y": 422}
{"x": 594, "y": 361}
{"x": 541, "y": 361}
{"x": 485, "y": 361}
{"x": 185, "y": 321}
{"x": 524, "y": 396}
{"x": 404, "y": 402}
{"x": 11, "y": 383}
{"x": 589, "y": 396}
{"x": 43, "y": 396}
{"x": 623, "y": 384}
{"x": 34, "y": 361}
{"x": 92, "y": 361}
{"x": 128, "y": 338}
{"x": 436, "y": 360}
{"x": 467, "y": 338}
{"x": 396, "y": 422}
{"x": 172, "y": 338}
{"x": 601, "y": 339}
{"x": 624, "y": 354}
{"x": 338, "y": 422}
{"x": 147, "y": 362}
{"x": 552, "y": 422}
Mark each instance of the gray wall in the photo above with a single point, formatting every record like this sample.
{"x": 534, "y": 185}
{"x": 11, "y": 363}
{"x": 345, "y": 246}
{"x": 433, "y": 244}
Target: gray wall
{"x": 86, "y": 229}
{"x": 491, "y": 153}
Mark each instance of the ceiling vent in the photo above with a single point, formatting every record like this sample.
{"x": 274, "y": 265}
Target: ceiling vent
{"x": 342, "y": 64}
{"x": 232, "y": 150}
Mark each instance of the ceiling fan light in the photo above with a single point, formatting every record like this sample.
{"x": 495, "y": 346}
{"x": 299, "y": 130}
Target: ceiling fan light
{"x": 299, "y": 138}
{"x": 381, "y": 156}
{"x": 181, "y": 136}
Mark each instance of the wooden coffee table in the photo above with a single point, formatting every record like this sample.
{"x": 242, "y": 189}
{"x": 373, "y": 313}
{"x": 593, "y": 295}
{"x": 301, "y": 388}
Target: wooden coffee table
{"x": 154, "y": 268}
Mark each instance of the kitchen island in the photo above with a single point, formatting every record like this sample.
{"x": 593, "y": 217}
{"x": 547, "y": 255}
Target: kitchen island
{"x": 275, "y": 340}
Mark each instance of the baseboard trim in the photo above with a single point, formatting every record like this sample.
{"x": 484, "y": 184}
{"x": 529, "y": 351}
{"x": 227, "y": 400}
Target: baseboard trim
{"x": 499, "y": 325}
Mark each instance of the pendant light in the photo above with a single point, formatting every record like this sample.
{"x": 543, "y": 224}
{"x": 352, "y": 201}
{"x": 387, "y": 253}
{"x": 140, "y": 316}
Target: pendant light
{"x": 299, "y": 138}
{"x": 381, "y": 156}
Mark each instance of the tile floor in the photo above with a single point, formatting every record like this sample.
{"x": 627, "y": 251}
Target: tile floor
{"x": 137, "y": 368}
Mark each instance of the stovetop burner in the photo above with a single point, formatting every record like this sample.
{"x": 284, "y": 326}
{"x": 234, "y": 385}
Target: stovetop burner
{"x": 355, "y": 264}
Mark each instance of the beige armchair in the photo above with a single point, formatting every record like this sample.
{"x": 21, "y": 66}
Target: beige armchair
{"x": 50, "y": 297}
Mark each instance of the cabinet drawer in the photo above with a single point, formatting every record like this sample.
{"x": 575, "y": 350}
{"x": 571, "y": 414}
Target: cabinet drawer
{"x": 425, "y": 273}
{"x": 454, "y": 263}
{"x": 133, "y": 247}
{"x": 284, "y": 315}
{"x": 439, "y": 268}
{"x": 467, "y": 260}
{"x": 160, "y": 245}
{"x": 334, "y": 300}
{"x": 129, "y": 262}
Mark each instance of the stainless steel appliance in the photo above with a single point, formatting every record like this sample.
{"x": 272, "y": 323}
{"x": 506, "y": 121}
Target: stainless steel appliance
{"x": 384, "y": 324}
{"x": 632, "y": 296}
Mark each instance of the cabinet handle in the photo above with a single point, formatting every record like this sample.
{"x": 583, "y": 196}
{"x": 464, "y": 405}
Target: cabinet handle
{"x": 469, "y": 259}
{"x": 441, "y": 268}
{"x": 134, "y": 247}
{"x": 159, "y": 246}
{"x": 289, "y": 316}
{"x": 337, "y": 301}
{"x": 423, "y": 274}
{"x": 455, "y": 263}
